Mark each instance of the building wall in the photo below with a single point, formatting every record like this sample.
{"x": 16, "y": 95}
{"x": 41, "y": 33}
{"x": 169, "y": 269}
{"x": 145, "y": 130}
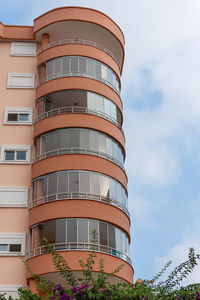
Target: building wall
{"x": 16, "y": 214}
{"x": 14, "y": 220}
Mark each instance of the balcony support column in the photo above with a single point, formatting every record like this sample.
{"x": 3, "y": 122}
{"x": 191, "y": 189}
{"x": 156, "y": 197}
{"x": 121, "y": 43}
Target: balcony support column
{"x": 45, "y": 39}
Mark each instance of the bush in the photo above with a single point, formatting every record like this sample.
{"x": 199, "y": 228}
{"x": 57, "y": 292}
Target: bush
{"x": 101, "y": 289}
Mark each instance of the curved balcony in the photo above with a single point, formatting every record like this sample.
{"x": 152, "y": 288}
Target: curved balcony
{"x": 86, "y": 196}
{"x": 79, "y": 110}
{"x": 71, "y": 150}
{"x": 77, "y": 162}
{"x": 82, "y": 23}
{"x": 78, "y": 141}
{"x": 79, "y": 246}
{"x": 79, "y": 185}
{"x": 79, "y": 42}
{"x": 79, "y": 66}
{"x": 79, "y": 234}
{"x": 78, "y": 101}
{"x": 79, "y": 83}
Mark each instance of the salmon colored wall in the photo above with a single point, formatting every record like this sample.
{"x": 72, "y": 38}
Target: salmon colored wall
{"x": 80, "y": 50}
{"x": 42, "y": 264}
{"x": 79, "y": 120}
{"x": 14, "y": 220}
{"x": 1, "y": 30}
{"x": 80, "y": 83}
{"x": 13, "y": 272}
{"x": 79, "y": 162}
{"x": 88, "y": 209}
{"x": 80, "y": 14}
{"x": 16, "y": 32}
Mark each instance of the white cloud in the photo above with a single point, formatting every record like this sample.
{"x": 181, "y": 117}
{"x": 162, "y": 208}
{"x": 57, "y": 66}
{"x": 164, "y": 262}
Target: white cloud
{"x": 179, "y": 253}
{"x": 142, "y": 211}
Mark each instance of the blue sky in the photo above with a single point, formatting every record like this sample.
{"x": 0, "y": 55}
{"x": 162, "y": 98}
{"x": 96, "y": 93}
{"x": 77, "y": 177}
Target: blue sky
{"x": 161, "y": 95}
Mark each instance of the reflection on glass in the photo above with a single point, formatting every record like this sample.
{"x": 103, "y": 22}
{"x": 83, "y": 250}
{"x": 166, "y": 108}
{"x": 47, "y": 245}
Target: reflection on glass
{"x": 71, "y": 140}
{"x": 79, "y": 66}
{"x": 68, "y": 182}
{"x": 111, "y": 239}
{"x": 67, "y": 100}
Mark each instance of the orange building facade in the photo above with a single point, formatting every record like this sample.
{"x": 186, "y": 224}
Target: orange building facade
{"x": 62, "y": 146}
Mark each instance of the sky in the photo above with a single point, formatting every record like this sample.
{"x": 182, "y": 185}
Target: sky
{"x": 161, "y": 97}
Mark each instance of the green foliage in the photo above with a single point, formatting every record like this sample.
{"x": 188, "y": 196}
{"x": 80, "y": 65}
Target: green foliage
{"x": 100, "y": 288}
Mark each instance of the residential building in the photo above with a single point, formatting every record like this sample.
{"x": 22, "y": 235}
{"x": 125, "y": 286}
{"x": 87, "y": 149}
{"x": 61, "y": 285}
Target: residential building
{"x": 62, "y": 145}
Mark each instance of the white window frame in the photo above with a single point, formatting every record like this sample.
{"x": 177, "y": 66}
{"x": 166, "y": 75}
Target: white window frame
{"x": 26, "y": 148}
{"x": 13, "y": 238}
{"x": 11, "y": 189}
{"x": 9, "y": 290}
{"x": 14, "y": 52}
{"x": 18, "y": 110}
{"x": 22, "y": 75}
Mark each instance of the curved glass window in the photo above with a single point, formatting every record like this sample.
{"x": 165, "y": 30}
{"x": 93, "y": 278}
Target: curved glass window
{"x": 76, "y": 234}
{"x": 78, "y": 101}
{"x": 79, "y": 66}
{"x": 79, "y": 185}
{"x": 78, "y": 140}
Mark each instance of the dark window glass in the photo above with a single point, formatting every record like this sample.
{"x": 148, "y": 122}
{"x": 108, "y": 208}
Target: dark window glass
{"x": 9, "y": 155}
{"x": 50, "y": 67}
{"x": 12, "y": 117}
{"x": 21, "y": 155}
{"x": 74, "y": 181}
{"x": 111, "y": 234}
{"x": 15, "y": 247}
{"x": 71, "y": 231}
{"x": 119, "y": 117}
{"x": 23, "y": 117}
{"x": 60, "y": 230}
{"x": 48, "y": 231}
{"x": 52, "y": 184}
{"x": 62, "y": 182}
{"x": 103, "y": 233}
{"x": 44, "y": 185}
{"x": 74, "y": 137}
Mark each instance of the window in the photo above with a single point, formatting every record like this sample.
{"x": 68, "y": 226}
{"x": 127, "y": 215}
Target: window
{"x": 15, "y": 154}
{"x": 23, "y": 81}
{"x": 12, "y": 244}
{"x": 10, "y": 291}
{"x": 18, "y": 116}
{"x": 13, "y": 196}
{"x": 23, "y": 49}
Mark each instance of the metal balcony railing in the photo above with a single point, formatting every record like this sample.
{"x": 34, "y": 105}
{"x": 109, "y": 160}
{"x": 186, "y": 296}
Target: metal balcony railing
{"x": 75, "y": 110}
{"x": 78, "y": 195}
{"x": 73, "y": 150}
{"x": 77, "y": 74}
{"x": 80, "y": 42}
{"x": 77, "y": 246}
